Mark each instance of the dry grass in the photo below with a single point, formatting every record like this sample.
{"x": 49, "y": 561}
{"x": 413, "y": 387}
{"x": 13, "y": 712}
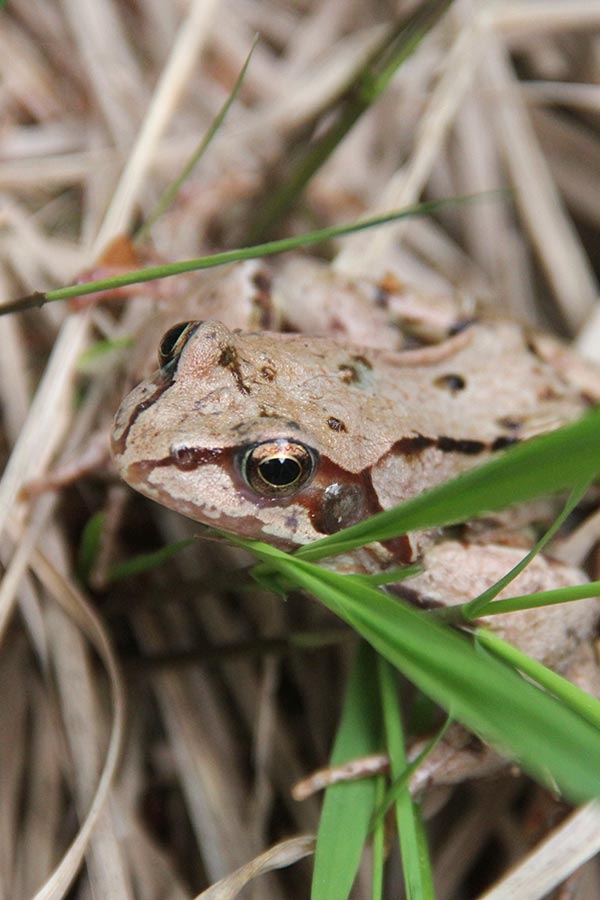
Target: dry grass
{"x": 101, "y": 103}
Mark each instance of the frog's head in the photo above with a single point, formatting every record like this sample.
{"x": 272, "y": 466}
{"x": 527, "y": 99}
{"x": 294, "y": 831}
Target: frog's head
{"x": 255, "y": 434}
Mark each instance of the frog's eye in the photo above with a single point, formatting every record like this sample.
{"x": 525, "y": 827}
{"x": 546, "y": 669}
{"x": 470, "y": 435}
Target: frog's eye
{"x": 278, "y": 468}
{"x": 173, "y": 342}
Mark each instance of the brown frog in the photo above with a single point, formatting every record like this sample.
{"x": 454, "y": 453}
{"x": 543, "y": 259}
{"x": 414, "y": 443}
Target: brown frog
{"x": 287, "y": 437}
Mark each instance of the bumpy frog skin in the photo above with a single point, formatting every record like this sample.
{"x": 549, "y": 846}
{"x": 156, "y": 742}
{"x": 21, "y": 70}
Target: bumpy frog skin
{"x": 288, "y": 437}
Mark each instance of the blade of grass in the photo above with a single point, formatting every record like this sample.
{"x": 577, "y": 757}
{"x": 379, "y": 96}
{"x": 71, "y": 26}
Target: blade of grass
{"x": 549, "y": 739}
{"x": 367, "y": 84}
{"x": 143, "y": 562}
{"x": 270, "y": 248}
{"x": 457, "y": 614}
{"x": 390, "y": 576}
{"x": 543, "y": 465}
{"x": 89, "y": 545}
{"x": 416, "y": 865}
{"x": 273, "y": 581}
{"x": 88, "y": 361}
{"x": 378, "y": 842}
{"x": 587, "y": 706}
{"x": 403, "y": 779}
{"x": 546, "y": 598}
{"x": 173, "y": 189}
{"x": 348, "y": 807}
{"x": 481, "y": 604}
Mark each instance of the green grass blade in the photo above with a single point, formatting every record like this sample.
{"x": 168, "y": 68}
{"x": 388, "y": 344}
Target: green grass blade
{"x": 586, "y": 705}
{"x": 89, "y": 545}
{"x": 335, "y": 122}
{"x": 458, "y": 614}
{"x": 97, "y": 353}
{"x": 173, "y": 189}
{"x": 546, "y": 464}
{"x": 348, "y": 807}
{"x": 550, "y": 740}
{"x": 390, "y": 576}
{"x": 143, "y": 562}
{"x": 480, "y": 605}
{"x": 270, "y": 248}
{"x": 416, "y": 865}
{"x": 402, "y": 780}
{"x": 378, "y": 843}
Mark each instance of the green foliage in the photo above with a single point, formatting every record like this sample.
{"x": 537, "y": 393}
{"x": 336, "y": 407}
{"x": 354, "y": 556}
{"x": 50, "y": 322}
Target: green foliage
{"x": 348, "y": 807}
{"x": 89, "y": 546}
{"x": 143, "y": 562}
{"x": 418, "y": 877}
{"x": 550, "y": 739}
{"x": 270, "y": 248}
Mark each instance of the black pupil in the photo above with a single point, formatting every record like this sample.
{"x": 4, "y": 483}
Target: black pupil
{"x": 280, "y": 471}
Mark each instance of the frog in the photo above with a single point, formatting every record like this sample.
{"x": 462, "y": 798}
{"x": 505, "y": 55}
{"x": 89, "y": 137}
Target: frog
{"x": 296, "y": 401}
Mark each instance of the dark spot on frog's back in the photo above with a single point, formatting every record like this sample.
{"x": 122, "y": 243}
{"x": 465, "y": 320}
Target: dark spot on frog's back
{"x": 348, "y": 374}
{"x": 460, "y": 445}
{"x": 355, "y": 370}
{"x": 548, "y": 394}
{"x": 268, "y": 372}
{"x": 416, "y": 443}
{"x": 452, "y": 382}
{"x": 410, "y": 446}
{"x": 229, "y": 359}
{"x": 509, "y": 423}
{"x": 505, "y": 440}
{"x": 336, "y": 424}
{"x": 382, "y": 296}
{"x": 262, "y": 280}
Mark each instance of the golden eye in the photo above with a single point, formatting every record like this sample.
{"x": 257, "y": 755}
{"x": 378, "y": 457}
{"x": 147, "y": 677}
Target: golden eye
{"x": 173, "y": 342}
{"x": 278, "y": 468}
